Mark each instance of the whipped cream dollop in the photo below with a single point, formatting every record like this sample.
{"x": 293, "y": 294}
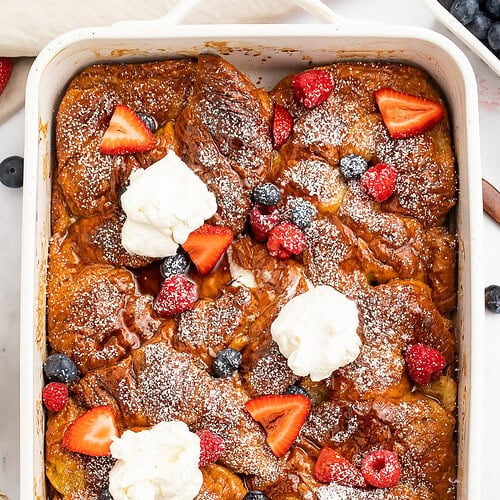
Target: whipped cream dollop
{"x": 316, "y": 332}
{"x": 164, "y": 203}
{"x": 160, "y": 463}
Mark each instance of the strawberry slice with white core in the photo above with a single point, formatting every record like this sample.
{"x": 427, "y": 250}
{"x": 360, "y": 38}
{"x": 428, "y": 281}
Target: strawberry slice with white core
{"x": 92, "y": 433}
{"x": 206, "y": 245}
{"x": 282, "y": 416}
{"x": 126, "y": 133}
{"x": 406, "y": 115}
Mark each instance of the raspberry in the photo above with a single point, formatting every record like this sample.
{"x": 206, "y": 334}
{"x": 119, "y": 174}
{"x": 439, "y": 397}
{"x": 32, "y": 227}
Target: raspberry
{"x": 262, "y": 220}
{"x": 286, "y": 239}
{"x": 312, "y": 87}
{"x": 282, "y": 126}
{"x": 379, "y": 181}
{"x": 177, "y": 294}
{"x": 55, "y": 396}
{"x": 424, "y": 363}
{"x": 331, "y": 466}
{"x": 381, "y": 469}
{"x": 211, "y": 447}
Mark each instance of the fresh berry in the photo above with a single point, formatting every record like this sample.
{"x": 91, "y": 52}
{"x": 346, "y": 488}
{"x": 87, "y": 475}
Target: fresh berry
{"x": 55, "y": 396}
{"x": 255, "y": 495}
{"x": 286, "y": 239}
{"x": 381, "y": 469}
{"x": 312, "y": 87}
{"x": 282, "y": 416}
{"x": 379, "y": 181}
{"x": 227, "y": 362}
{"x": 424, "y": 363}
{"x": 301, "y": 213}
{"x": 92, "y": 433}
{"x": 492, "y": 298}
{"x": 206, "y": 245}
{"x": 126, "y": 133}
{"x": 177, "y": 294}
{"x": 12, "y": 171}
{"x": 446, "y": 3}
{"x": 149, "y": 121}
{"x": 480, "y": 25}
{"x": 333, "y": 467}
{"x": 211, "y": 447}
{"x": 494, "y": 36}
{"x": 105, "y": 495}
{"x": 297, "y": 389}
{"x": 282, "y": 126}
{"x": 5, "y": 72}
{"x": 464, "y": 10}
{"x": 266, "y": 194}
{"x": 59, "y": 368}
{"x": 406, "y": 115}
{"x": 174, "y": 264}
{"x": 493, "y": 7}
{"x": 262, "y": 220}
{"x": 353, "y": 166}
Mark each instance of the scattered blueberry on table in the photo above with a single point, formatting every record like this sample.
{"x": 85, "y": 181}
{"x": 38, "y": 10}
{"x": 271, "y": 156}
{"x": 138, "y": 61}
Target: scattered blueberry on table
{"x": 480, "y": 17}
{"x": 492, "y": 298}
{"x": 11, "y": 171}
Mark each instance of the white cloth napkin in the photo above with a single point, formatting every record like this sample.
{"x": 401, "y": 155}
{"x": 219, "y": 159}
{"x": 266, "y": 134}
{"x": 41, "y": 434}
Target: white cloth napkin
{"x": 28, "y": 25}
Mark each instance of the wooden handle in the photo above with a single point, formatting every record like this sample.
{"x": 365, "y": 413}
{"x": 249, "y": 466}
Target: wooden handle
{"x": 491, "y": 201}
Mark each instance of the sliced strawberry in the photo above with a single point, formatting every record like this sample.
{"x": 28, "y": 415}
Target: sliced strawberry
{"x": 332, "y": 466}
{"x": 5, "y": 72}
{"x": 126, "y": 133}
{"x": 92, "y": 432}
{"x": 406, "y": 115}
{"x": 206, "y": 245}
{"x": 282, "y": 417}
{"x": 282, "y": 126}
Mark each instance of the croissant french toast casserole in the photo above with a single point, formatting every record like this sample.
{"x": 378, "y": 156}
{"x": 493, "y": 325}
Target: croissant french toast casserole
{"x": 250, "y": 290}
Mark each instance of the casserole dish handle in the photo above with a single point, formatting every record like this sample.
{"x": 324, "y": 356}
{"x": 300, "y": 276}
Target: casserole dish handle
{"x": 181, "y": 10}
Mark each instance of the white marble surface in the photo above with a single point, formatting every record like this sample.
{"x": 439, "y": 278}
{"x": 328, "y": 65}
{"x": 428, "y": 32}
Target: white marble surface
{"x": 11, "y": 143}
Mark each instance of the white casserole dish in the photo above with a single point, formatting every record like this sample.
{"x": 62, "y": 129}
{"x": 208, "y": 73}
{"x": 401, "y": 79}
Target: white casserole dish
{"x": 265, "y": 53}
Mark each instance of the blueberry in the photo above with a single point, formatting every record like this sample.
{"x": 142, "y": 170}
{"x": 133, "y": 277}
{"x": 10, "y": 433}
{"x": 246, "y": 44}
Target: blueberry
{"x": 149, "y": 121}
{"x": 266, "y": 194}
{"x": 255, "y": 495}
{"x": 494, "y": 36}
{"x": 480, "y": 25}
{"x": 492, "y": 298}
{"x": 174, "y": 264}
{"x": 465, "y": 10}
{"x": 105, "y": 495}
{"x": 353, "y": 166}
{"x": 297, "y": 389}
{"x": 60, "y": 368}
{"x": 493, "y": 7}
{"x": 301, "y": 213}
{"x": 227, "y": 361}
{"x": 446, "y": 3}
{"x": 11, "y": 171}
